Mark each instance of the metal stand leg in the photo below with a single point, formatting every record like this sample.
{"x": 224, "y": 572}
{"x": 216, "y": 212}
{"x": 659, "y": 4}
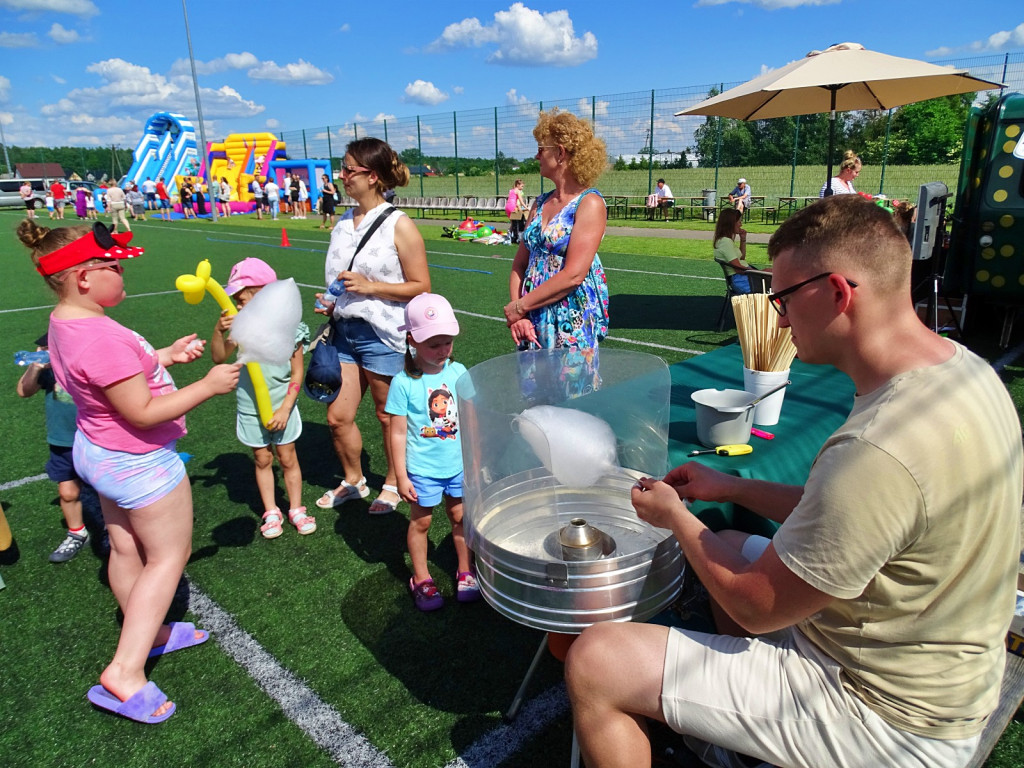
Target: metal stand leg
{"x": 517, "y": 702}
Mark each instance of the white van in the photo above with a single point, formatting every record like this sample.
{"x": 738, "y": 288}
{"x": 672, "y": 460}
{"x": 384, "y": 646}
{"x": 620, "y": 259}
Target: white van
{"x": 10, "y": 192}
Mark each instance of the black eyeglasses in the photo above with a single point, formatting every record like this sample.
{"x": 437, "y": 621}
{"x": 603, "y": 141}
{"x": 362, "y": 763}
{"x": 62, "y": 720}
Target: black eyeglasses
{"x": 775, "y": 299}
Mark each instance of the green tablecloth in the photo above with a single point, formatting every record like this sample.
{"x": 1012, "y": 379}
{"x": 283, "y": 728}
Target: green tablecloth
{"x": 816, "y": 403}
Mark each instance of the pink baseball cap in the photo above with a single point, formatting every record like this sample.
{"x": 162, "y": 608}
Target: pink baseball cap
{"x": 249, "y": 273}
{"x": 429, "y": 315}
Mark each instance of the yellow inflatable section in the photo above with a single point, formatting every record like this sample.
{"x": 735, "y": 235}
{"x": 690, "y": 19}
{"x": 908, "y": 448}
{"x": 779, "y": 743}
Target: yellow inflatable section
{"x": 238, "y": 149}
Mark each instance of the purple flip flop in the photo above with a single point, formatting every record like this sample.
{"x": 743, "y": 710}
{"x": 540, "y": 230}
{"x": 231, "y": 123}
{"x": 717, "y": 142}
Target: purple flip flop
{"x": 183, "y": 635}
{"x": 139, "y": 707}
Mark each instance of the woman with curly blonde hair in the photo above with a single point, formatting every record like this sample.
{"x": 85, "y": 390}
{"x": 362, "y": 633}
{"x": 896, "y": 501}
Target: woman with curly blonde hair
{"x": 559, "y": 295}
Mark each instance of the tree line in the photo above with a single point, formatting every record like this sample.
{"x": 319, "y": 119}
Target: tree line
{"x": 98, "y": 161}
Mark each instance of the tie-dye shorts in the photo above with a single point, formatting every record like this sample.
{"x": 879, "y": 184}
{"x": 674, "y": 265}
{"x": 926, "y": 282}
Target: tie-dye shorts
{"x": 130, "y": 480}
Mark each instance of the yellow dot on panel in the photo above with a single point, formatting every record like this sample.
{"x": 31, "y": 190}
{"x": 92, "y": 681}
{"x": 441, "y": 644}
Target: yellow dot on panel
{"x": 1006, "y": 171}
{"x": 984, "y": 152}
{"x": 988, "y": 253}
{"x": 982, "y": 276}
{"x": 988, "y": 226}
{"x": 1006, "y": 220}
{"x": 998, "y": 281}
{"x": 1012, "y": 131}
{"x": 977, "y": 182}
{"x": 1008, "y": 147}
{"x": 1021, "y": 279}
{"x": 1006, "y": 251}
{"x": 999, "y": 195}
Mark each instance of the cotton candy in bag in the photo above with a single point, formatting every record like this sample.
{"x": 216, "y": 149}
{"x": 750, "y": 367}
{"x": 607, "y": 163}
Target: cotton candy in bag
{"x": 264, "y": 329}
{"x": 576, "y": 447}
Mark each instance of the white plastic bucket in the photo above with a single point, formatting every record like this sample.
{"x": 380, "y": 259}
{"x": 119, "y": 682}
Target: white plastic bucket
{"x": 724, "y": 416}
{"x": 766, "y": 413}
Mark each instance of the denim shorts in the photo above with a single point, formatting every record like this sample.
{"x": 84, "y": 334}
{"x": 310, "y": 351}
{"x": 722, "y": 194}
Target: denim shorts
{"x": 430, "y": 489}
{"x": 357, "y": 343}
{"x": 61, "y": 466}
{"x": 130, "y": 480}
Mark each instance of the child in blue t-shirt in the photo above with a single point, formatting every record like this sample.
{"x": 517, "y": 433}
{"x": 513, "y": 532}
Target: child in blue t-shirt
{"x": 61, "y": 414}
{"x": 426, "y": 448}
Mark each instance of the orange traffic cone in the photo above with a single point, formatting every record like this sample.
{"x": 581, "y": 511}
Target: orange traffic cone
{"x": 284, "y": 238}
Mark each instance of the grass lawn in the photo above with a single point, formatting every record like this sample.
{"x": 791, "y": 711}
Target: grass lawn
{"x": 327, "y": 614}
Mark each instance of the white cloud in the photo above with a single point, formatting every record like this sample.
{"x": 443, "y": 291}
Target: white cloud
{"x": 84, "y": 8}
{"x": 272, "y": 123}
{"x": 522, "y": 36}
{"x": 345, "y": 27}
{"x": 229, "y": 61}
{"x": 299, "y": 73}
{"x": 458, "y": 90}
{"x": 58, "y": 79}
{"x": 997, "y": 41}
{"x": 598, "y": 108}
{"x": 424, "y": 92}
{"x": 514, "y": 97}
{"x": 135, "y": 92}
{"x": 5, "y": 88}
{"x": 18, "y": 40}
{"x": 63, "y": 36}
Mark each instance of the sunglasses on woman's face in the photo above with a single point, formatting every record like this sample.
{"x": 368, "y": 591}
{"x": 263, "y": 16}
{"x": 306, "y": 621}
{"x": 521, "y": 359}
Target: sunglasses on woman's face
{"x": 352, "y": 170}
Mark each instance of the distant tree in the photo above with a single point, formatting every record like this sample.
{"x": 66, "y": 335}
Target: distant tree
{"x": 619, "y": 164}
{"x": 412, "y": 156}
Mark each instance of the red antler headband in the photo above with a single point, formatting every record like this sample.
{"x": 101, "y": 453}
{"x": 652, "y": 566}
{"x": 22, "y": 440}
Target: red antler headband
{"x": 99, "y": 244}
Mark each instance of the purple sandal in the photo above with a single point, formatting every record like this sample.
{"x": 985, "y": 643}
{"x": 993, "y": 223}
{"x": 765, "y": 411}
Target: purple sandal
{"x": 425, "y": 595}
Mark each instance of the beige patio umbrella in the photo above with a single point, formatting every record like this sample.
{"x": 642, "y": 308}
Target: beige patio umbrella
{"x": 842, "y": 77}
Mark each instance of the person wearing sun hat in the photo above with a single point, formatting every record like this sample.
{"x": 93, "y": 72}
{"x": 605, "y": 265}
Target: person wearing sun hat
{"x": 284, "y": 382}
{"x": 130, "y": 415}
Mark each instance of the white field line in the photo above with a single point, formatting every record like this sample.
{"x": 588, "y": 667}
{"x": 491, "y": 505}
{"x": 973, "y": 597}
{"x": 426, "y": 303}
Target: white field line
{"x": 300, "y": 704}
{"x": 496, "y": 746}
{"x": 23, "y": 481}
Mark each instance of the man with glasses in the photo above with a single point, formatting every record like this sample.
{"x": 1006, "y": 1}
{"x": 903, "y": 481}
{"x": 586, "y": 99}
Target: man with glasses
{"x": 883, "y": 600}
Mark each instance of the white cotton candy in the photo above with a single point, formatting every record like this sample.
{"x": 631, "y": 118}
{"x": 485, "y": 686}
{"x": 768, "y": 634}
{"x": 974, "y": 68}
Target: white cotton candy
{"x": 576, "y": 447}
{"x": 264, "y": 328}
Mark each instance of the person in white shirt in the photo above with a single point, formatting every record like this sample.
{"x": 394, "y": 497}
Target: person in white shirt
{"x": 740, "y": 196}
{"x": 665, "y": 198}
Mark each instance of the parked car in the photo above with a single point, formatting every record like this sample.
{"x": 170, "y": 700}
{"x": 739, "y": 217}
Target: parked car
{"x": 10, "y": 192}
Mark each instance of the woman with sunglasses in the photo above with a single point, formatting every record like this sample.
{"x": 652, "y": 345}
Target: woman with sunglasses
{"x": 559, "y": 296}
{"x": 130, "y": 414}
{"x": 378, "y": 254}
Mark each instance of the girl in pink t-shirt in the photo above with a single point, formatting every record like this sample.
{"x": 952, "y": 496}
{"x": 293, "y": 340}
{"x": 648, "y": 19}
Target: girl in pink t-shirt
{"x": 129, "y": 416}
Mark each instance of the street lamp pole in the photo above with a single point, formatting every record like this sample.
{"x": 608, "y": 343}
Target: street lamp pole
{"x": 199, "y": 113}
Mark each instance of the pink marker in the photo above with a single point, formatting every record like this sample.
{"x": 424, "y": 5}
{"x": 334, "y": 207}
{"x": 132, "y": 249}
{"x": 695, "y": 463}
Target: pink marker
{"x": 761, "y": 433}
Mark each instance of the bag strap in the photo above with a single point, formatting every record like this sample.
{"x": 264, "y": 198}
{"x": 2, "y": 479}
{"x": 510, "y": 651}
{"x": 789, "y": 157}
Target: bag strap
{"x": 369, "y": 233}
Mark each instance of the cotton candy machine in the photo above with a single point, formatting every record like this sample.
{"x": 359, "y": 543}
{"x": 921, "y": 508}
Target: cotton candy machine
{"x": 547, "y": 507}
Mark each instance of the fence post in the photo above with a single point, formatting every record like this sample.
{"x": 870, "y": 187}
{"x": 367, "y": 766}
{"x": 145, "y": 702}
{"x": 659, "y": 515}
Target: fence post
{"x": 497, "y": 169}
{"x": 796, "y": 145}
{"x": 541, "y": 109}
{"x": 419, "y": 148}
{"x": 455, "y": 136}
{"x": 355, "y": 131}
{"x": 885, "y": 153}
{"x": 330, "y": 152}
{"x": 386, "y": 131}
{"x": 650, "y": 150}
{"x": 305, "y": 152}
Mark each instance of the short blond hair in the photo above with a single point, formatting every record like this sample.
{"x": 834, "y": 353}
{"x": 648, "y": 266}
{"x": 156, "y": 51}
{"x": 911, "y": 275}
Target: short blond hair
{"x": 588, "y": 156}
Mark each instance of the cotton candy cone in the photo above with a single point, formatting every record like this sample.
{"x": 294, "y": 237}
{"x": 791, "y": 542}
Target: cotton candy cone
{"x": 284, "y": 238}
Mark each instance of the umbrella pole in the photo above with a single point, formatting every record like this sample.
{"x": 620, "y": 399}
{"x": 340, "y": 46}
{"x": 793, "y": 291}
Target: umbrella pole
{"x": 831, "y": 140}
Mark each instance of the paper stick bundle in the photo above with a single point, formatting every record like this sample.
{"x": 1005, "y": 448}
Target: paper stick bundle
{"x": 766, "y": 346}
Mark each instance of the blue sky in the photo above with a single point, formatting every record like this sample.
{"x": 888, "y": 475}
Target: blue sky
{"x": 86, "y": 72}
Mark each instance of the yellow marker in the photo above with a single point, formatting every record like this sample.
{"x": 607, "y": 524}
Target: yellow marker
{"x": 5, "y": 532}
{"x": 194, "y": 287}
{"x": 726, "y": 450}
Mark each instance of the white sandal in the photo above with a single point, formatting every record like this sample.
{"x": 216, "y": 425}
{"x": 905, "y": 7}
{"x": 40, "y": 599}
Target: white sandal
{"x": 383, "y": 506}
{"x": 330, "y": 499}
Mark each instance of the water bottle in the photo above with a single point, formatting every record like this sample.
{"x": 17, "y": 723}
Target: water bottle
{"x": 331, "y": 296}
{"x": 27, "y": 358}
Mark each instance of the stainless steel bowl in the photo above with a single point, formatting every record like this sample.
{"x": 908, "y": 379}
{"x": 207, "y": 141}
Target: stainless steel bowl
{"x": 522, "y": 571}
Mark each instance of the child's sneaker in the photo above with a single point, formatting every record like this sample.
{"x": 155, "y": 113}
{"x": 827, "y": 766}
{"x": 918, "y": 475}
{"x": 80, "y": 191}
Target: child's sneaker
{"x": 68, "y": 548}
{"x": 467, "y": 591}
{"x": 425, "y": 595}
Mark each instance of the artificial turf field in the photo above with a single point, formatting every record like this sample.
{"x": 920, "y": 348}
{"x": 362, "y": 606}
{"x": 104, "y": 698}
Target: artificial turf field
{"x": 319, "y": 656}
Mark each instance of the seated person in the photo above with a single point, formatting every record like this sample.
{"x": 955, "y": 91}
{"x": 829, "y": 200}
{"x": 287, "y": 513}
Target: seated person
{"x": 883, "y": 600}
{"x": 664, "y": 198}
{"x": 740, "y": 196}
{"x": 728, "y": 253}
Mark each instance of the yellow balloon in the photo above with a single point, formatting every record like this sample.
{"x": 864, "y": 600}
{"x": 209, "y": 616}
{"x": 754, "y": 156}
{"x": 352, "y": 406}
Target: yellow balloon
{"x": 194, "y": 287}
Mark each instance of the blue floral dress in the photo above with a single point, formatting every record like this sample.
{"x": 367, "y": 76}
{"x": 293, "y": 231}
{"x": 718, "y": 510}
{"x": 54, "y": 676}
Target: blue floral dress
{"x": 580, "y": 319}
